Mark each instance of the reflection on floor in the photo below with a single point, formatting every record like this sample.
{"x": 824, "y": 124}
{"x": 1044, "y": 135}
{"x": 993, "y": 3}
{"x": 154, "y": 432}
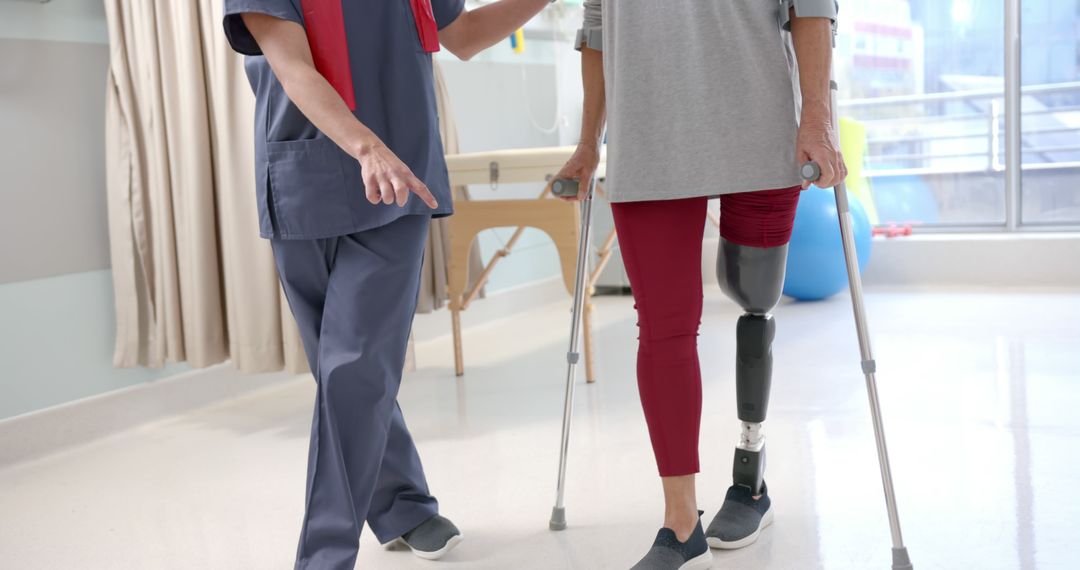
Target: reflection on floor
{"x": 979, "y": 390}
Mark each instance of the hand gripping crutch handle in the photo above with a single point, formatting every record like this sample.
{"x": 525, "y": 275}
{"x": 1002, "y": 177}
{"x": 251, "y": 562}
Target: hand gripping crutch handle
{"x": 810, "y": 172}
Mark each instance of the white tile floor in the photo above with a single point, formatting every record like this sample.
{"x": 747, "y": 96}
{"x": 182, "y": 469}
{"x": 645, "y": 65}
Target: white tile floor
{"x": 980, "y": 392}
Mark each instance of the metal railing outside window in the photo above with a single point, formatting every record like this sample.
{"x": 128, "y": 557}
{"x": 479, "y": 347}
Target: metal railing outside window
{"x": 958, "y": 138}
{"x": 990, "y": 155}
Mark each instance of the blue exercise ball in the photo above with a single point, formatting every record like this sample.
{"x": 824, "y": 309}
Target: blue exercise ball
{"x": 905, "y": 200}
{"x": 815, "y": 264}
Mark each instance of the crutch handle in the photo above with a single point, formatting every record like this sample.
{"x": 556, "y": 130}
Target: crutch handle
{"x": 565, "y": 187}
{"x": 810, "y": 172}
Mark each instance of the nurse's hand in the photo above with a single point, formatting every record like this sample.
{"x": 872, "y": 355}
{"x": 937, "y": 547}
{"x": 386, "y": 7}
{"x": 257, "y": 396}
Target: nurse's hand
{"x": 388, "y": 180}
{"x": 817, "y": 143}
{"x": 580, "y": 167}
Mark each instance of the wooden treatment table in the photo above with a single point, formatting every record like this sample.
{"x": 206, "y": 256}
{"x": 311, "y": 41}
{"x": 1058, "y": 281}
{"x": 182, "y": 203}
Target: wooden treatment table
{"x": 558, "y": 219}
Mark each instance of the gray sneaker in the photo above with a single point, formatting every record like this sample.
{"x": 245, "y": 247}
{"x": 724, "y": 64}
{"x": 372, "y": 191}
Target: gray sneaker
{"x": 741, "y": 518}
{"x": 433, "y": 538}
{"x": 667, "y": 553}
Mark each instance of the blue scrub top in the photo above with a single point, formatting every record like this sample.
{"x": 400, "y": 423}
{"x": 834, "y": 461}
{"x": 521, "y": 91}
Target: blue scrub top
{"x": 306, "y": 186}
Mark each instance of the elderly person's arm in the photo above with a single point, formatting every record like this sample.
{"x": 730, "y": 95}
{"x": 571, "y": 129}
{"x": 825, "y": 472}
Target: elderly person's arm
{"x": 585, "y": 159}
{"x": 811, "y": 31}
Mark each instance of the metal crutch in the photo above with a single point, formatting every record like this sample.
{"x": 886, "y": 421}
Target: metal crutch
{"x": 811, "y": 172}
{"x": 558, "y": 513}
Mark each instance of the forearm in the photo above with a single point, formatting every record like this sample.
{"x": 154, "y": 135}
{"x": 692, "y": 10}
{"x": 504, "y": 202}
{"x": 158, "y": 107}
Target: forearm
{"x": 817, "y": 141}
{"x": 322, "y": 105}
{"x": 593, "y": 108}
{"x": 492, "y": 23}
{"x": 813, "y": 50}
{"x": 285, "y": 46}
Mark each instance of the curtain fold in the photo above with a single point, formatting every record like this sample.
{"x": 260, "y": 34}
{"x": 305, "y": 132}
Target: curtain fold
{"x": 262, "y": 335}
{"x": 192, "y": 280}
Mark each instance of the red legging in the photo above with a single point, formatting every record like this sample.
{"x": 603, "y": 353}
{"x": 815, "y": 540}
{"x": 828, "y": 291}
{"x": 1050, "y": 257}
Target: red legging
{"x": 661, "y": 249}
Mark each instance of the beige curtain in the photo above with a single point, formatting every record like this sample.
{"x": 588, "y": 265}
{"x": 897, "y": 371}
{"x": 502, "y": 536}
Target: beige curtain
{"x": 193, "y": 282}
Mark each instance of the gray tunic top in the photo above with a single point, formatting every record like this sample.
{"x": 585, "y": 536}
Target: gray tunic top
{"x": 700, "y": 97}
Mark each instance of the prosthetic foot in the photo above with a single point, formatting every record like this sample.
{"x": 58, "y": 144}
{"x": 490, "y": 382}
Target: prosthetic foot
{"x": 741, "y": 519}
{"x": 753, "y": 277}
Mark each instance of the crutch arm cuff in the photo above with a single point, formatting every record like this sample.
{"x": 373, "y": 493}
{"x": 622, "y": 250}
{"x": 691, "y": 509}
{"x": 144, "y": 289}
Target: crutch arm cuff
{"x": 592, "y": 38}
{"x": 807, "y": 9}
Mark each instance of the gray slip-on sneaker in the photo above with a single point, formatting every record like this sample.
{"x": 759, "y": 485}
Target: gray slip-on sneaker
{"x": 741, "y": 518}
{"x": 667, "y": 553}
{"x": 433, "y": 538}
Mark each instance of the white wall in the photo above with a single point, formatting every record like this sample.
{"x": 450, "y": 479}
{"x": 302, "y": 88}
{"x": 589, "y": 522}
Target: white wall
{"x": 56, "y": 319}
{"x": 81, "y": 21}
{"x": 56, "y": 338}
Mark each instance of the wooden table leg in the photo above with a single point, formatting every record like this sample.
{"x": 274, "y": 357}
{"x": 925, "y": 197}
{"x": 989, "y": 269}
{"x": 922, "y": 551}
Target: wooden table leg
{"x": 455, "y": 324}
{"x": 554, "y": 217}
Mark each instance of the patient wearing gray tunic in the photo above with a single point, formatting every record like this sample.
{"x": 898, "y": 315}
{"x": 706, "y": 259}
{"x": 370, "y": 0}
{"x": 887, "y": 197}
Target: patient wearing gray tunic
{"x": 701, "y": 100}
{"x": 725, "y": 132}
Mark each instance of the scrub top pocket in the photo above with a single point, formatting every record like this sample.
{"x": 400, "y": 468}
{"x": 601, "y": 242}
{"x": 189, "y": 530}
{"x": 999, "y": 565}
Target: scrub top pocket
{"x": 307, "y": 187}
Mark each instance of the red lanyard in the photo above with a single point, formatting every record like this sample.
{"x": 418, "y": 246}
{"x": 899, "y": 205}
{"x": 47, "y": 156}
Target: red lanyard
{"x": 426, "y": 27}
{"x": 324, "y": 22}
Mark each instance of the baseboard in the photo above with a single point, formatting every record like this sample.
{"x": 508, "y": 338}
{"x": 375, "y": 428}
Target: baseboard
{"x": 1006, "y": 260}
{"x": 495, "y": 306}
{"x": 1010, "y": 260}
{"x": 44, "y": 432}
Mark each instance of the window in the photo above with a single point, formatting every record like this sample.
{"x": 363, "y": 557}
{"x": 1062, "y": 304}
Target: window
{"x": 1050, "y": 139}
{"x": 922, "y": 105}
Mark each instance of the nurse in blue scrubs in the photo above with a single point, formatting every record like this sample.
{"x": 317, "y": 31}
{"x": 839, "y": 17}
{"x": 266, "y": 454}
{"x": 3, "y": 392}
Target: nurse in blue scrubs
{"x": 350, "y": 170}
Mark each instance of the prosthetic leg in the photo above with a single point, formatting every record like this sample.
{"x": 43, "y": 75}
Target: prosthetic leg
{"x": 753, "y": 277}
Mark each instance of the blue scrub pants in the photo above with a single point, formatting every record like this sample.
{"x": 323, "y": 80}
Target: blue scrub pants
{"x": 353, "y": 298}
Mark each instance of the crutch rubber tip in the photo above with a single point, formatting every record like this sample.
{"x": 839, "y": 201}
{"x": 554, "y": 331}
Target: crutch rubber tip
{"x": 558, "y": 518}
{"x": 900, "y": 560}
